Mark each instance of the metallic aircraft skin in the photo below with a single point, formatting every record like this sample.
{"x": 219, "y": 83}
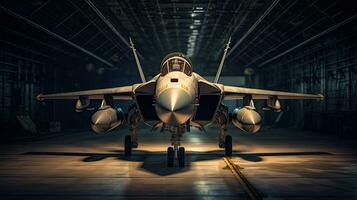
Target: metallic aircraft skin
{"x": 176, "y": 99}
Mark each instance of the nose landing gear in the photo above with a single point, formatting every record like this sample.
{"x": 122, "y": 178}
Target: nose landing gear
{"x": 176, "y": 151}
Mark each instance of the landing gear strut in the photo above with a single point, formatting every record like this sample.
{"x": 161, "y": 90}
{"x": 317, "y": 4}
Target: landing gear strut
{"x": 131, "y": 141}
{"x": 224, "y": 141}
{"x": 134, "y": 138}
{"x": 221, "y": 137}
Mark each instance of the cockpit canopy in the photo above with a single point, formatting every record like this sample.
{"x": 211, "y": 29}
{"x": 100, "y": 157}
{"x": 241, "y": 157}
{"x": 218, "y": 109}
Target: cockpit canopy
{"x": 176, "y": 62}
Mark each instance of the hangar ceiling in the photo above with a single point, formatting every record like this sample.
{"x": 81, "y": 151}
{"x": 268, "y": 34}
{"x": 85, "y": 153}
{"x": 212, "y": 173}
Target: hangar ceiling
{"x": 259, "y": 29}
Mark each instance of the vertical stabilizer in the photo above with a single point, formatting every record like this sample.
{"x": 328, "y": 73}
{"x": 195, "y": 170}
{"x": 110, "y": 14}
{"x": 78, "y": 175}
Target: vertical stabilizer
{"x": 222, "y": 62}
{"x": 142, "y": 76}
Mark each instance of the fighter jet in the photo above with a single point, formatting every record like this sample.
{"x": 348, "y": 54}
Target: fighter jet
{"x": 175, "y": 100}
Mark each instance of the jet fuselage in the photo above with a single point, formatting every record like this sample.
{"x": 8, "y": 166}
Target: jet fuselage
{"x": 175, "y": 97}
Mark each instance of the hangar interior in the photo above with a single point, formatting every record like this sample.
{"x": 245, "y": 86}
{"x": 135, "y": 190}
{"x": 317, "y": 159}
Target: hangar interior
{"x": 48, "y": 46}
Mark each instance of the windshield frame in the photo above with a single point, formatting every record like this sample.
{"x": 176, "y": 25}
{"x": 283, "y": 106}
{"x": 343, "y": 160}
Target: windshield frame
{"x": 165, "y": 69}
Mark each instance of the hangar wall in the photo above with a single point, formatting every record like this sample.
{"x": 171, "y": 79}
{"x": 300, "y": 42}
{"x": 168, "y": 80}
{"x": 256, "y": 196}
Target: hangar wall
{"x": 327, "y": 66}
{"x": 21, "y": 76}
{"x": 25, "y": 72}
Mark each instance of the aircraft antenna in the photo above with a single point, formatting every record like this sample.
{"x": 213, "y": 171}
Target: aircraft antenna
{"x": 222, "y": 61}
{"x": 142, "y": 76}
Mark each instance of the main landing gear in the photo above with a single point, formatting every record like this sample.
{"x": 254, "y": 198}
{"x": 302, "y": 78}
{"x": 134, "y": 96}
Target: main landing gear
{"x": 228, "y": 145}
{"x": 131, "y": 142}
{"x": 127, "y": 145}
{"x": 225, "y": 141}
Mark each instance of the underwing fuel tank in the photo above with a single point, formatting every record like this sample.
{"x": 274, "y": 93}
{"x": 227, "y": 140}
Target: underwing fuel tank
{"x": 106, "y": 119}
{"x": 247, "y": 119}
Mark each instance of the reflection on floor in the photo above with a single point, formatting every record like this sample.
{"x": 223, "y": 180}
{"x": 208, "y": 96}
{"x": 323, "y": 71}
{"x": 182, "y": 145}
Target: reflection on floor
{"x": 280, "y": 163}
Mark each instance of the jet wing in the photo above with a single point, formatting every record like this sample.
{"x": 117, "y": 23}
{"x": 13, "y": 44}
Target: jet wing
{"x": 234, "y": 93}
{"x": 120, "y": 93}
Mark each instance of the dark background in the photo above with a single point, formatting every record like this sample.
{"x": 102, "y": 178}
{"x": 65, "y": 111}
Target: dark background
{"x": 299, "y": 46}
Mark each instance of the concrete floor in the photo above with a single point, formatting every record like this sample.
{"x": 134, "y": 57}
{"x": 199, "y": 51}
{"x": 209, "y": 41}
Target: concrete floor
{"x": 280, "y": 163}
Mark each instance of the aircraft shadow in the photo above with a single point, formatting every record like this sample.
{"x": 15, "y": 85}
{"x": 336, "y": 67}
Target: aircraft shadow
{"x": 155, "y": 162}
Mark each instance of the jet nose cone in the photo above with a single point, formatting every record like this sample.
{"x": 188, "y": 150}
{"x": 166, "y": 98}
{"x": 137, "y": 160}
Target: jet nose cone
{"x": 174, "y": 99}
{"x": 174, "y": 106}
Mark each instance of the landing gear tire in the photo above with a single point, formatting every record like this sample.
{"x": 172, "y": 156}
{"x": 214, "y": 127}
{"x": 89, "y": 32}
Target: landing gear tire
{"x": 128, "y": 145}
{"x": 170, "y": 156}
{"x": 181, "y": 157}
{"x": 228, "y": 145}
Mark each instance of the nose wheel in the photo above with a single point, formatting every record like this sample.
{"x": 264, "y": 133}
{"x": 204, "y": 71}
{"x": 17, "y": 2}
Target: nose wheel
{"x": 175, "y": 152}
{"x": 170, "y": 157}
{"x": 181, "y": 157}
